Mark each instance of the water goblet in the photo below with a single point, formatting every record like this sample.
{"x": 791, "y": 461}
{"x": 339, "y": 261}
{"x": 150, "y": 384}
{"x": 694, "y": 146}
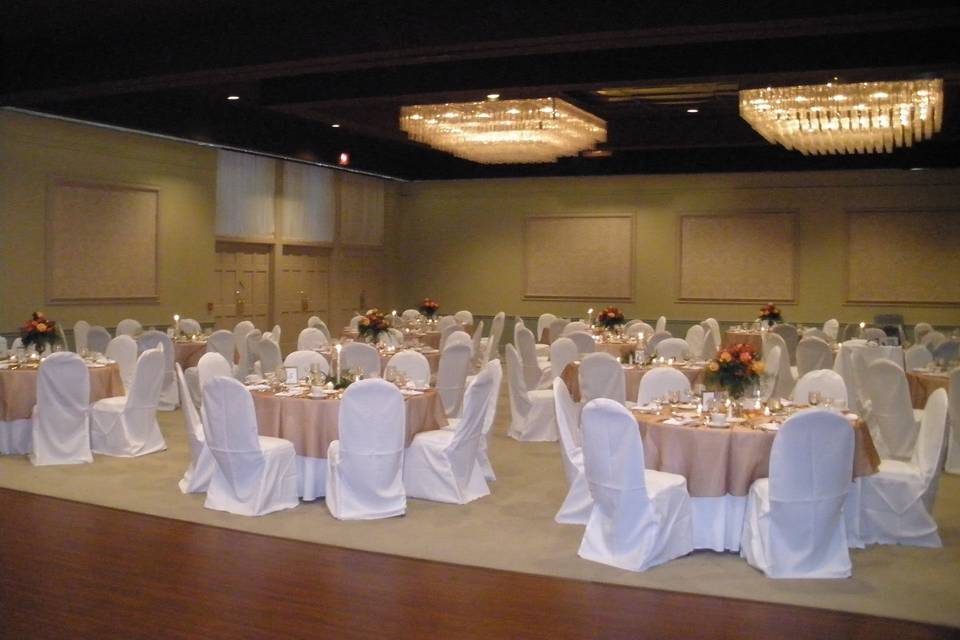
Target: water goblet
{"x": 813, "y": 398}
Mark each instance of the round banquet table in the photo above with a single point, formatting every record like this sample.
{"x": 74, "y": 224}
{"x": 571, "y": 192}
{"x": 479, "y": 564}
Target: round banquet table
{"x": 632, "y": 375}
{"x": 18, "y": 395}
{"x": 721, "y": 464}
{"x": 617, "y": 349}
{"x": 312, "y": 424}
{"x": 923, "y": 383}
{"x": 188, "y": 352}
{"x": 740, "y": 336}
{"x": 432, "y": 355}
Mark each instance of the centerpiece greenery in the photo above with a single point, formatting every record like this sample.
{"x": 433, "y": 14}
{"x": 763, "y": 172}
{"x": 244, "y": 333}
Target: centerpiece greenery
{"x": 770, "y": 314}
{"x": 734, "y": 369}
{"x": 372, "y": 324}
{"x": 428, "y": 307}
{"x": 39, "y": 331}
{"x": 610, "y": 318}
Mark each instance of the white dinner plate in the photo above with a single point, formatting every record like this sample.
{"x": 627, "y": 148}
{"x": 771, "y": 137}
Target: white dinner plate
{"x": 719, "y": 425}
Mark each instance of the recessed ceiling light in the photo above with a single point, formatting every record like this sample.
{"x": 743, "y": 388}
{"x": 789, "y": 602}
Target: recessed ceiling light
{"x": 344, "y": 159}
{"x": 335, "y": 125}
{"x": 493, "y": 96}
{"x": 233, "y": 97}
{"x": 693, "y": 110}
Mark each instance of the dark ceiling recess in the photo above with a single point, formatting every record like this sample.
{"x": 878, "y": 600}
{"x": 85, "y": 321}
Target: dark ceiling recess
{"x": 298, "y": 67}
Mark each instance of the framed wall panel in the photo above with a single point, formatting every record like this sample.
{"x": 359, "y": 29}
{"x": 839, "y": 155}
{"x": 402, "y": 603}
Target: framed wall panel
{"x": 578, "y": 257}
{"x": 903, "y": 257}
{"x": 101, "y": 242}
{"x": 743, "y": 257}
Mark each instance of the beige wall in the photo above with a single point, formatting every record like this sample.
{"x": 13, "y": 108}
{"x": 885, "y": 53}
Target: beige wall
{"x": 469, "y": 236}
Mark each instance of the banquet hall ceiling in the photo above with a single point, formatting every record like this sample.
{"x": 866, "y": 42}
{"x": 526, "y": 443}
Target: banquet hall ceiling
{"x": 298, "y": 67}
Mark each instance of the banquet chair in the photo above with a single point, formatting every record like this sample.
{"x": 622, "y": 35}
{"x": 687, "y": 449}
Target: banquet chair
{"x": 574, "y": 326}
{"x": 483, "y": 458}
{"x": 447, "y": 321}
{"x": 60, "y": 422}
{"x": 317, "y": 323}
{"x": 932, "y": 340}
{"x": 18, "y": 345}
{"x": 921, "y": 329}
{"x": 874, "y": 334}
{"x": 313, "y": 321}
{"x": 190, "y": 327}
{"x": 532, "y": 416}
{"x": 492, "y": 345}
{"x": 557, "y": 327}
{"x": 695, "y": 341}
{"x": 661, "y": 324}
{"x": 211, "y": 365}
{"x": 794, "y": 524}
{"x": 897, "y": 502}
{"x": 655, "y": 339}
{"x": 224, "y": 343}
{"x": 3, "y": 347}
{"x": 251, "y": 354}
{"x": 791, "y": 337}
{"x": 816, "y": 333}
{"x": 365, "y": 464}
{"x": 270, "y": 357}
{"x": 578, "y": 503}
{"x": 80, "y": 330}
{"x": 255, "y": 475}
{"x": 123, "y": 351}
{"x": 543, "y": 324}
{"x": 947, "y": 351}
{"x": 360, "y": 356}
{"x": 459, "y": 337}
{"x": 563, "y": 351}
{"x": 97, "y": 339}
{"x": 771, "y": 371}
{"x": 412, "y": 364}
{"x": 639, "y": 327}
{"x": 410, "y": 315}
{"x": 391, "y": 338}
{"x": 917, "y": 357}
{"x": 832, "y": 328}
{"x": 355, "y": 323}
{"x": 240, "y": 331}
{"x": 476, "y": 345}
{"x": 640, "y": 518}
{"x": 444, "y": 333}
{"x": 534, "y": 369}
{"x": 464, "y": 317}
{"x": 828, "y": 383}
{"x": 660, "y": 381}
{"x": 676, "y": 348}
{"x": 601, "y": 376}
{"x": 812, "y": 354}
{"x": 710, "y": 345}
{"x": 785, "y": 378}
{"x": 714, "y": 327}
{"x": 128, "y": 327}
{"x": 126, "y": 426}
{"x": 443, "y": 465}
{"x": 303, "y": 360}
{"x": 584, "y": 341}
{"x": 452, "y": 377}
{"x": 169, "y": 394}
{"x": 952, "y": 464}
{"x": 276, "y": 333}
{"x": 892, "y": 420}
{"x": 196, "y": 478}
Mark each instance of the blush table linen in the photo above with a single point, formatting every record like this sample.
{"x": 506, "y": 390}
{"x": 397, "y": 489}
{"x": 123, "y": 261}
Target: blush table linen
{"x": 632, "y": 376}
{"x": 188, "y": 352}
{"x": 734, "y": 336}
{"x": 924, "y": 383}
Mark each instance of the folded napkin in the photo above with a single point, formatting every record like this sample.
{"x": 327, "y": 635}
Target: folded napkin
{"x": 95, "y": 365}
{"x": 258, "y": 387}
{"x": 679, "y": 422}
{"x": 647, "y": 407}
{"x": 769, "y": 426}
{"x": 411, "y": 392}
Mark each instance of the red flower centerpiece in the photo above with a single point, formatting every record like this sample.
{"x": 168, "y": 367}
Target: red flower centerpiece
{"x": 428, "y": 307}
{"x": 372, "y": 324}
{"x": 734, "y": 369}
{"x": 770, "y": 314}
{"x": 610, "y": 318}
{"x": 39, "y": 331}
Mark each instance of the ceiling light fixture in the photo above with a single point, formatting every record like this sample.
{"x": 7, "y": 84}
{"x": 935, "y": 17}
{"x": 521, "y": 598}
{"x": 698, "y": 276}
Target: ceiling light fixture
{"x": 507, "y": 131}
{"x": 693, "y": 110}
{"x": 493, "y": 96}
{"x": 335, "y": 126}
{"x": 233, "y": 97}
{"x": 865, "y": 117}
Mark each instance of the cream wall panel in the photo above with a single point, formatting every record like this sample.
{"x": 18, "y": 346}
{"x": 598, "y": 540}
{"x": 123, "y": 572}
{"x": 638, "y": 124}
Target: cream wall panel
{"x": 362, "y": 209}
{"x": 308, "y": 202}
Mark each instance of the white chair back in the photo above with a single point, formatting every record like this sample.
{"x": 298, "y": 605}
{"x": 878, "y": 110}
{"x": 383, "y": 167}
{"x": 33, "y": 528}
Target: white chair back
{"x": 230, "y": 431}
{"x": 928, "y": 451}
{"x": 445, "y": 333}
{"x": 251, "y": 352}
{"x": 572, "y": 327}
{"x": 891, "y": 414}
{"x": 270, "y": 356}
{"x": 816, "y": 333}
{"x": 275, "y": 333}
{"x": 447, "y": 321}
{"x": 584, "y": 341}
{"x": 212, "y": 365}
{"x": 412, "y": 364}
{"x": 467, "y": 438}
{"x": 952, "y": 464}
{"x": 947, "y": 351}
{"x": 832, "y": 328}
{"x": 97, "y": 339}
{"x": 932, "y": 340}
{"x": 519, "y": 401}
{"x": 661, "y": 324}
{"x": 223, "y": 342}
{"x": 812, "y": 354}
{"x": 660, "y": 381}
{"x": 791, "y": 337}
{"x": 654, "y": 340}
{"x": 695, "y": 341}
{"x": 557, "y": 327}
{"x": 828, "y": 383}
{"x": 785, "y": 380}
{"x": 601, "y": 376}
{"x": 128, "y": 327}
{"x": 410, "y": 315}
{"x": 477, "y": 340}
{"x": 917, "y": 357}
{"x": 676, "y": 348}
{"x": 143, "y": 398}
{"x": 568, "y": 424}
{"x": 875, "y": 334}
{"x": 303, "y": 360}
{"x": 771, "y": 372}
{"x": 639, "y": 327}
{"x": 543, "y": 323}
{"x": 190, "y": 326}
{"x": 169, "y": 394}
{"x": 710, "y": 345}
{"x": 452, "y": 377}
{"x": 526, "y": 345}
{"x": 191, "y": 418}
{"x": 714, "y": 327}
{"x": 240, "y": 331}
{"x": 361, "y": 356}
{"x": 496, "y": 331}
{"x": 459, "y": 337}
{"x": 921, "y": 329}
{"x": 123, "y": 350}
{"x": 355, "y": 323}
{"x": 80, "y": 329}
{"x": 311, "y": 338}
{"x": 464, "y": 317}
{"x": 61, "y": 427}
{"x": 563, "y": 351}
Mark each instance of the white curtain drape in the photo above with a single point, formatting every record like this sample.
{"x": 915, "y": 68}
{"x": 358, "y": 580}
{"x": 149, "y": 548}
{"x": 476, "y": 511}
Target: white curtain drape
{"x": 246, "y": 186}
{"x": 361, "y": 210}
{"x": 308, "y": 203}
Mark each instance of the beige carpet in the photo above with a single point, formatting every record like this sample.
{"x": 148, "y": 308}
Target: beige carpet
{"x": 513, "y": 529}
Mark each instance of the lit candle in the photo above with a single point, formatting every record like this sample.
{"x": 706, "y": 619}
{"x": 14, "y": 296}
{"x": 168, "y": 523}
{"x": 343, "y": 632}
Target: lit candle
{"x": 862, "y": 325}
{"x": 176, "y": 324}
{"x": 338, "y": 347}
{"x": 590, "y": 313}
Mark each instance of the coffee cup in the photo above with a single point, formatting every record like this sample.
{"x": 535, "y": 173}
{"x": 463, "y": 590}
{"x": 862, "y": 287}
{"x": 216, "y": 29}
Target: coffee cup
{"x": 718, "y": 418}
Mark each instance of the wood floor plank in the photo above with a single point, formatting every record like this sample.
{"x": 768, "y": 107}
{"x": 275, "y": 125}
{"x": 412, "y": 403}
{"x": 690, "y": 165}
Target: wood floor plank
{"x": 72, "y": 570}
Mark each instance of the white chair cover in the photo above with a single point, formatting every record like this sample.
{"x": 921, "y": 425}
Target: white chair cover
{"x": 601, "y": 376}
{"x": 785, "y": 379}
{"x": 459, "y": 337}
{"x": 476, "y": 347}
{"x": 676, "y": 348}
{"x": 557, "y": 327}
{"x": 532, "y": 416}
{"x": 313, "y": 322}
{"x": 128, "y": 327}
{"x": 661, "y": 324}
{"x": 639, "y": 327}
{"x": 832, "y": 328}
{"x": 897, "y": 502}
{"x": 355, "y": 323}
{"x": 255, "y": 475}
{"x": 563, "y": 351}
{"x": 275, "y": 333}
{"x": 414, "y": 365}
{"x": 317, "y": 323}
{"x": 791, "y": 337}
{"x": 80, "y": 330}
{"x": 240, "y": 332}
{"x": 251, "y": 353}
{"x": 303, "y": 360}
{"x": 584, "y": 341}
{"x": 533, "y": 370}
{"x": 947, "y": 351}
{"x": 893, "y": 426}
{"x": 410, "y": 315}
{"x": 443, "y": 465}
{"x": 827, "y": 382}
{"x": 932, "y": 340}
{"x": 661, "y": 381}
{"x": 190, "y": 326}
{"x": 817, "y": 333}
{"x": 653, "y": 341}
{"x": 917, "y": 357}
{"x": 97, "y": 339}
{"x": 311, "y": 338}
{"x": 61, "y": 417}
{"x": 794, "y": 524}
{"x": 452, "y": 377}
{"x": 126, "y": 426}
{"x": 543, "y": 324}
{"x": 577, "y": 505}
{"x": 695, "y": 341}
{"x": 464, "y": 317}
{"x": 197, "y": 477}
{"x": 768, "y": 382}
{"x": 710, "y": 345}
{"x": 447, "y": 321}
{"x": 123, "y": 350}
{"x": 875, "y": 334}
{"x": 270, "y": 356}
{"x": 921, "y": 329}
{"x": 571, "y": 327}
{"x": 224, "y": 343}
{"x": 445, "y": 333}
{"x": 212, "y": 365}
{"x": 360, "y": 356}
{"x": 169, "y": 394}
{"x": 3, "y": 347}
{"x": 639, "y": 518}
{"x": 714, "y": 327}
{"x": 365, "y": 466}
{"x": 812, "y": 354}
{"x": 492, "y": 351}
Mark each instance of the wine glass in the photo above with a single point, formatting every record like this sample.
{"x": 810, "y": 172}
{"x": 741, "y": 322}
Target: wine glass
{"x": 813, "y": 398}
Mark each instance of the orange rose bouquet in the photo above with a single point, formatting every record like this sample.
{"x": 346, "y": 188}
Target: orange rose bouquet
{"x": 609, "y": 318}
{"x": 372, "y": 324}
{"x": 39, "y": 331}
{"x": 428, "y": 307}
{"x": 770, "y": 314}
{"x": 734, "y": 369}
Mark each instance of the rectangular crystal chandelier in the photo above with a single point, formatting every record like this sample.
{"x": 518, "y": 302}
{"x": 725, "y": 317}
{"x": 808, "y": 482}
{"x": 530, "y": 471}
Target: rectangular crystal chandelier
{"x": 865, "y": 117}
{"x": 505, "y": 131}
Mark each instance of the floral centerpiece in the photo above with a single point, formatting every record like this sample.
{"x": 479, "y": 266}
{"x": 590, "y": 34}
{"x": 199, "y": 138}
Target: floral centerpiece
{"x": 428, "y": 307}
{"x": 734, "y": 369}
{"x": 610, "y": 318}
{"x": 39, "y": 331}
{"x": 372, "y": 324}
{"x": 770, "y": 314}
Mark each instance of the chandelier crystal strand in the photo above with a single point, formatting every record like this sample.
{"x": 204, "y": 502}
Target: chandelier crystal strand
{"x": 866, "y": 117}
{"x": 505, "y": 131}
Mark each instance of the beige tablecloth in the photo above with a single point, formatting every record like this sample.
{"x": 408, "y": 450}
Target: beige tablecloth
{"x": 617, "y": 349}
{"x": 311, "y": 425}
{"x": 717, "y": 462}
{"x": 189, "y": 352}
{"x": 632, "y": 376}
{"x": 18, "y": 389}
{"x": 432, "y": 356}
{"x": 923, "y": 383}
{"x": 752, "y": 338}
